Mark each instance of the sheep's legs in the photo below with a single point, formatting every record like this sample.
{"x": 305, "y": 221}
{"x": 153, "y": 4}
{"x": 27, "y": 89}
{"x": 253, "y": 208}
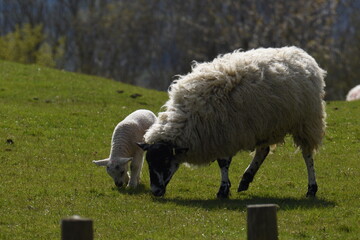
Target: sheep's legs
{"x": 254, "y": 166}
{"x": 224, "y": 190}
{"x": 135, "y": 170}
{"x": 312, "y": 185}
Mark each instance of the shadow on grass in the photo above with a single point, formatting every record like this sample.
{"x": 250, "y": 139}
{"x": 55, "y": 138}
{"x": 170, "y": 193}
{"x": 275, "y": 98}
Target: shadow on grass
{"x": 240, "y": 204}
{"x": 140, "y": 189}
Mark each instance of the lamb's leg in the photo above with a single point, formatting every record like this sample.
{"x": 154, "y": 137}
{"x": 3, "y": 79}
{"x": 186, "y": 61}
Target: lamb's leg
{"x": 254, "y": 166}
{"x": 224, "y": 190}
{"x": 135, "y": 169}
{"x": 312, "y": 185}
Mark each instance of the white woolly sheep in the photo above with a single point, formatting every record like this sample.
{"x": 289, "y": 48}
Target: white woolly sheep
{"x": 239, "y": 101}
{"x": 124, "y": 149}
{"x": 353, "y": 94}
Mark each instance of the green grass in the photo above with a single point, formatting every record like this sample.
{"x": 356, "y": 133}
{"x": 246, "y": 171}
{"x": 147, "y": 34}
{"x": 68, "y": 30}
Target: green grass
{"x": 59, "y": 122}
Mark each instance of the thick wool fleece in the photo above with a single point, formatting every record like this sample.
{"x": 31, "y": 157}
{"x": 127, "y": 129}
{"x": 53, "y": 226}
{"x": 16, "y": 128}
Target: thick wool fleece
{"x": 353, "y": 94}
{"x": 243, "y": 100}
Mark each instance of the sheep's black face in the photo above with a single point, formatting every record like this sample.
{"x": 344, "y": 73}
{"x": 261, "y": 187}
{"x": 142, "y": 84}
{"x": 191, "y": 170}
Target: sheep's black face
{"x": 161, "y": 158}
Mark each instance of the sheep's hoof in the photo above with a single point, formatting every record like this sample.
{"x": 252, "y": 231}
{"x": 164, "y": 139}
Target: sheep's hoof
{"x": 312, "y": 189}
{"x": 223, "y": 195}
{"x": 243, "y": 186}
{"x": 245, "y": 181}
{"x": 224, "y": 191}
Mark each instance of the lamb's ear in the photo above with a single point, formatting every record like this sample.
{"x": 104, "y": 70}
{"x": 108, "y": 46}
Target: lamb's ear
{"x": 143, "y": 146}
{"x": 124, "y": 160}
{"x": 103, "y": 162}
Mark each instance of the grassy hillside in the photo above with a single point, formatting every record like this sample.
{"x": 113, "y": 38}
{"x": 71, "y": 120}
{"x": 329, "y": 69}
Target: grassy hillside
{"x": 53, "y": 124}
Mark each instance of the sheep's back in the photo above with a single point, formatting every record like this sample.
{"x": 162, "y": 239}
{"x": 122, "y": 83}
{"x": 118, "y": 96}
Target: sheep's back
{"x": 142, "y": 118}
{"x": 130, "y": 131}
{"x": 239, "y": 101}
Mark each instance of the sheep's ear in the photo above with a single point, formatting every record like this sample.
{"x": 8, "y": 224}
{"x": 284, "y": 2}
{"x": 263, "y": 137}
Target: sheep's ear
{"x": 124, "y": 160}
{"x": 143, "y": 146}
{"x": 103, "y": 162}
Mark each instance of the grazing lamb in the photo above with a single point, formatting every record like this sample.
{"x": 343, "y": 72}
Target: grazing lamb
{"x": 124, "y": 149}
{"x": 354, "y": 94}
{"x": 239, "y": 101}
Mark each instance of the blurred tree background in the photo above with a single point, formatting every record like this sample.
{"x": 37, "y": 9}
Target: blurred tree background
{"x": 148, "y": 42}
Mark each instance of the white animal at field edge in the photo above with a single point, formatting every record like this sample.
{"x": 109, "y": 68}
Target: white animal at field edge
{"x": 353, "y": 94}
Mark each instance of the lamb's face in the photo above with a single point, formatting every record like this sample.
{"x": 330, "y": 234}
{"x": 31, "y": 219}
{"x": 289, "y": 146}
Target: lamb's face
{"x": 161, "y": 158}
{"x": 118, "y": 170}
